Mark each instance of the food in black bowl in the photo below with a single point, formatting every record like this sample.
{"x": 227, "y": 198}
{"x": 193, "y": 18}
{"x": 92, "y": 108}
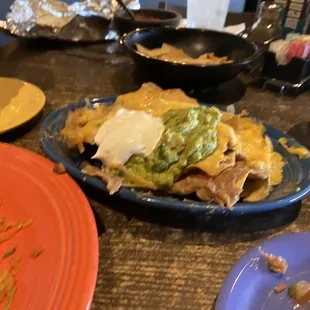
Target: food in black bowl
{"x": 232, "y": 55}
{"x": 144, "y": 18}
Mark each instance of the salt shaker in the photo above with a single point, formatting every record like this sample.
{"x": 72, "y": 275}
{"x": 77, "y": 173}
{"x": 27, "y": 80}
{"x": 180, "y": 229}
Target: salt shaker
{"x": 267, "y": 27}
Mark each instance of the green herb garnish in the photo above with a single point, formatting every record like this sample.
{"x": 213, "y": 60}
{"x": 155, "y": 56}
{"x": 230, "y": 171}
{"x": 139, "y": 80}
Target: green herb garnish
{"x": 9, "y": 253}
{"x": 292, "y": 291}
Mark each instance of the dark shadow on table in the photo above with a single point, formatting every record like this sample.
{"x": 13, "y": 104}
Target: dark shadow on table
{"x": 199, "y": 221}
{"x": 223, "y": 94}
{"x": 101, "y": 51}
{"x": 29, "y": 72}
{"x": 301, "y": 132}
{"x": 123, "y": 81}
{"x": 42, "y": 44}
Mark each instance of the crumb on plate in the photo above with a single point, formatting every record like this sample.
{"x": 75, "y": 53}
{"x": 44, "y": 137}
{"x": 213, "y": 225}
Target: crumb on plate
{"x": 36, "y": 252}
{"x": 9, "y": 253}
{"x": 275, "y": 263}
{"x": 279, "y": 288}
{"x": 59, "y": 168}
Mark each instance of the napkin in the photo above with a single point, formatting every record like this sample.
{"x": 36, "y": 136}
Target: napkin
{"x": 235, "y": 29}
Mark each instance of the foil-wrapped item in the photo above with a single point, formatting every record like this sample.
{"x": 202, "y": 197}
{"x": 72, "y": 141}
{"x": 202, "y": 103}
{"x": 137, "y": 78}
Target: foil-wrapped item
{"x": 81, "y": 21}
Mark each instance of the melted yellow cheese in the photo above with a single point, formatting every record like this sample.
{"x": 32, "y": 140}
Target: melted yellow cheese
{"x": 82, "y": 125}
{"x": 152, "y": 99}
{"x": 301, "y": 151}
{"x": 277, "y": 164}
{"x": 218, "y": 161}
{"x": 253, "y": 146}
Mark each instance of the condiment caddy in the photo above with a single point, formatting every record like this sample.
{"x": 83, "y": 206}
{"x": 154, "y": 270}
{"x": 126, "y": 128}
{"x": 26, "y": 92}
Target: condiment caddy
{"x": 285, "y": 61}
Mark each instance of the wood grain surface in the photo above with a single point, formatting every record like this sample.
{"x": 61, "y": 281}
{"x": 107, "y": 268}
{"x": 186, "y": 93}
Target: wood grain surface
{"x": 152, "y": 259}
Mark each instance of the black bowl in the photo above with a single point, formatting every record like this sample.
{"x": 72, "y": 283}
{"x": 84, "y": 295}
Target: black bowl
{"x": 194, "y": 42}
{"x": 123, "y": 23}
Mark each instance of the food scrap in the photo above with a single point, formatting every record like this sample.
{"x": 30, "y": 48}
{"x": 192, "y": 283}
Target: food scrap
{"x": 8, "y": 285}
{"x": 15, "y": 262}
{"x": 59, "y": 168}
{"x": 36, "y": 252}
{"x": 279, "y": 288}
{"x": 170, "y": 53}
{"x": 300, "y": 292}
{"x": 300, "y": 151}
{"x": 24, "y": 224}
{"x": 9, "y": 253}
{"x": 275, "y": 263}
{"x": 292, "y": 291}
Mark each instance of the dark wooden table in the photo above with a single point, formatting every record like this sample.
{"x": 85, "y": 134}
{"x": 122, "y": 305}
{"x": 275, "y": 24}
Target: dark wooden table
{"x": 151, "y": 259}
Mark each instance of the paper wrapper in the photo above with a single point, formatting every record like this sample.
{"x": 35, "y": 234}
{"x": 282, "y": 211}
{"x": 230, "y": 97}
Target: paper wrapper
{"x": 81, "y": 21}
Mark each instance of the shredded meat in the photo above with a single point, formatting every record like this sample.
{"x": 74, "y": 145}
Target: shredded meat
{"x": 191, "y": 184}
{"x": 113, "y": 182}
{"x": 225, "y": 188}
{"x": 82, "y": 125}
{"x": 275, "y": 263}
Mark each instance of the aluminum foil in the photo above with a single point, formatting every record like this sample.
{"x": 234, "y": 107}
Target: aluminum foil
{"x": 81, "y": 21}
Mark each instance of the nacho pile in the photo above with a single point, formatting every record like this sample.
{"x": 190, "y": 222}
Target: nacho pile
{"x": 217, "y": 156}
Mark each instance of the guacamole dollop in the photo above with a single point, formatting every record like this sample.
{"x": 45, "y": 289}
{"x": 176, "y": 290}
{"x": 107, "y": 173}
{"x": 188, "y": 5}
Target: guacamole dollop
{"x": 189, "y": 136}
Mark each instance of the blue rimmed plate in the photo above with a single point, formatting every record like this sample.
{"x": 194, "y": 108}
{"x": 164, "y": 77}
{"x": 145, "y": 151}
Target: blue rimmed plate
{"x": 250, "y": 285}
{"x": 294, "y": 186}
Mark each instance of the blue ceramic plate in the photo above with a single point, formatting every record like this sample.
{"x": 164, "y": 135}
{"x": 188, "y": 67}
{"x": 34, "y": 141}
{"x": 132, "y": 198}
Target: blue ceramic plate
{"x": 250, "y": 285}
{"x": 295, "y": 184}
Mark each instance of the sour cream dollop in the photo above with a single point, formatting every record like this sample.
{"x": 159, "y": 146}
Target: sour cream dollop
{"x": 125, "y": 134}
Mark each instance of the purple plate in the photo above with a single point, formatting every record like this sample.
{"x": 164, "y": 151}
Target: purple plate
{"x": 250, "y": 285}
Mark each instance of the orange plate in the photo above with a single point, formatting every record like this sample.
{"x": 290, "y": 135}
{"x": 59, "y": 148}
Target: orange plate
{"x": 63, "y": 277}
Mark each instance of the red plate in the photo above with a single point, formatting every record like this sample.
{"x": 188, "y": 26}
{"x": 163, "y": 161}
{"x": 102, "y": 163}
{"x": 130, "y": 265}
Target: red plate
{"x": 63, "y": 277}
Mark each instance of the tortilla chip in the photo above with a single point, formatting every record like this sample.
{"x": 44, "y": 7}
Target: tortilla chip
{"x": 154, "y": 100}
{"x": 215, "y": 164}
{"x": 171, "y": 53}
{"x": 190, "y": 184}
{"x": 254, "y": 147}
{"x": 256, "y": 190}
{"x": 166, "y": 49}
{"x": 134, "y": 179}
{"x": 204, "y": 194}
{"x": 225, "y": 188}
